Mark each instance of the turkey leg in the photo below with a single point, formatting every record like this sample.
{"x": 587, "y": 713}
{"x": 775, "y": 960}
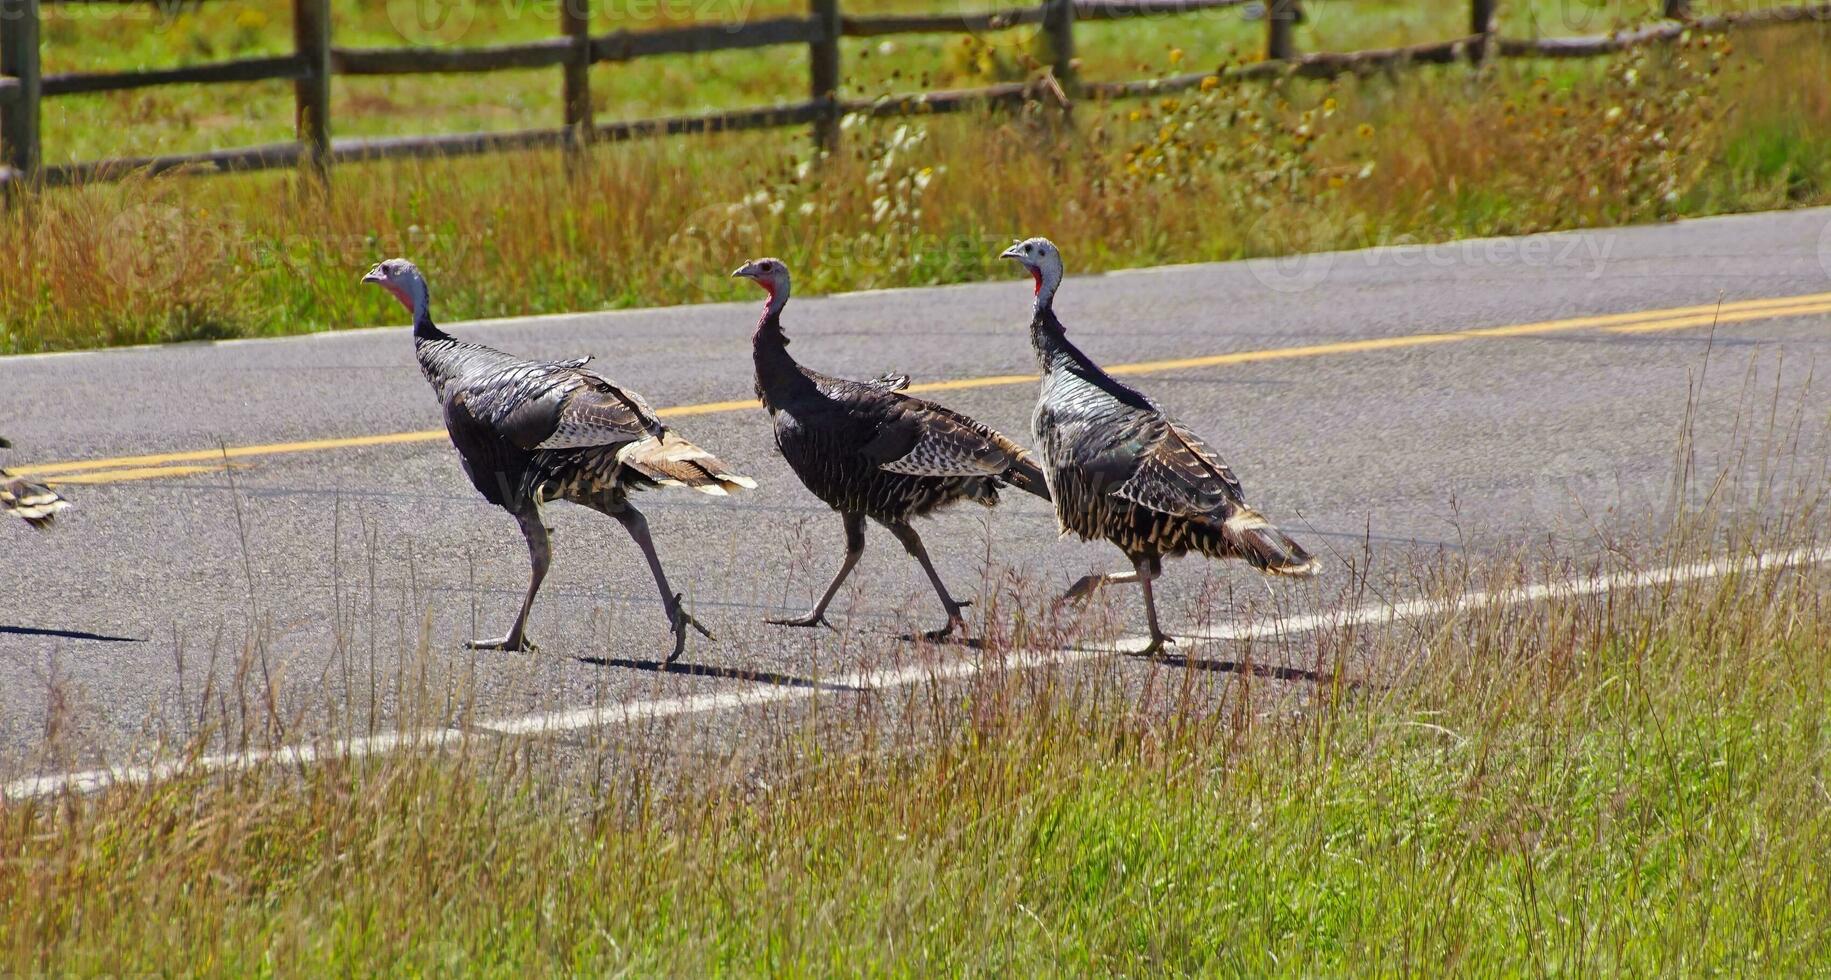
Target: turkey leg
{"x": 540, "y": 554}
{"x": 678, "y": 617}
{"x": 1146, "y": 571}
{"x": 855, "y": 546}
{"x": 912, "y": 542}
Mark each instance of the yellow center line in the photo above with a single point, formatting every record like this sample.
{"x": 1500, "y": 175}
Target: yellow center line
{"x": 154, "y": 465}
{"x": 1733, "y": 316}
{"x": 231, "y": 452}
{"x": 125, "y": 475}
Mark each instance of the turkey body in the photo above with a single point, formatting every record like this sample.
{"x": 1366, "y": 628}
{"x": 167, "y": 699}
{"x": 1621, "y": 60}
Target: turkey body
{"x": 530, "y": 432}
{"x": 863, "y": 448}
{"x": 1121, "y": 470}
{"x": 868, "y": 450}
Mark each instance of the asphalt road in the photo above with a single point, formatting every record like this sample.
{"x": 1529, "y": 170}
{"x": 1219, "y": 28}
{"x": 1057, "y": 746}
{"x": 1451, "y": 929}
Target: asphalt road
{"x": 1388, "y": 407}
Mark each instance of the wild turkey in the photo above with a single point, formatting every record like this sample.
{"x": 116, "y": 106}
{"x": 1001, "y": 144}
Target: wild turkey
{"x": 530, "y": 431}
{"x": 1122, "y": 470}
{"x": 867, "y": 450}
{"x": 35, "y": 503}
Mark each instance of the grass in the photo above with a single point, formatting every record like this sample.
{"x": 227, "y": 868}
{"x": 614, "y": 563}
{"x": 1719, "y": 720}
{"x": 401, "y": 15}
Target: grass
{"x": 1721, "y": 125}
{"x": 1630, "y": 783}
{"x": 81, "y": 37}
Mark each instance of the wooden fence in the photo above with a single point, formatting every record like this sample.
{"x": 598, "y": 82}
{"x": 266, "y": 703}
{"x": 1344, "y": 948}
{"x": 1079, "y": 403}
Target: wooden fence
{"x": 315, "y": 59}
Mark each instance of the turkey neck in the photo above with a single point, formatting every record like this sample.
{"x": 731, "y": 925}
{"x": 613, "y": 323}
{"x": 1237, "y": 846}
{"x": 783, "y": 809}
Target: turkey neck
{"x": 1053, "y": 349}
{"x": 443, "y": 357}
{"x": 778, "y": 376}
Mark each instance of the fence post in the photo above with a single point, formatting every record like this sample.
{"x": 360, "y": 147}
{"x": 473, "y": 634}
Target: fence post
{"x": 823, "y": 71}
{"x": 311, "y": 32}
{"x": 1280, "y": 17}
{"x": 1058, "y": 25}
{"x": 19, "y": 119}
{"x": 1677, "y": 9}
{"x": 575, "y": 20}
{"x": 1481, "y": 22}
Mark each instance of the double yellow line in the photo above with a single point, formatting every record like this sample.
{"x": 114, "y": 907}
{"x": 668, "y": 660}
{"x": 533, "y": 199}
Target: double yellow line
{"x": 156, "y": 465}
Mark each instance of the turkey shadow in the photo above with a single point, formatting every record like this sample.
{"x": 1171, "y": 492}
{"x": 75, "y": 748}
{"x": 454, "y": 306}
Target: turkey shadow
{"x": 67, "y": 634}
{"x": 722, "y": 673}
{"x": 1238, "y": 667}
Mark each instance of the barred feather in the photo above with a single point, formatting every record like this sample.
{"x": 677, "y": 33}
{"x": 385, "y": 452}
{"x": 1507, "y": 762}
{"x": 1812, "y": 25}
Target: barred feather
{"x": 865, "y": 447}
{"x": 1123, "y": 471}
{"x": 35, "y": 503}
{"x": 673, "y": 461}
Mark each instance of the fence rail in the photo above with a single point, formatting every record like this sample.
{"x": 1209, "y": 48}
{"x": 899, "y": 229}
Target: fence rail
{"x": 315, "y": 60}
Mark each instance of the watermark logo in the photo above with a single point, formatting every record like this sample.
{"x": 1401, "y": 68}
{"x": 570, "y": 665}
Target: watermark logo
{"x": 1290, "y": 268}
{"x": 714, "y": 240}
{"x": 1007, "y": 31}
{"x": 151, "y": 246}
{"x": 432, "y": 23}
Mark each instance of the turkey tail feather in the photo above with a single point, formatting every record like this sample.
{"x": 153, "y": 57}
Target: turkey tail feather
{"x": 1266, "y": 548}
{"x": 37, "y": 504}
{"x": 672, "y": 461}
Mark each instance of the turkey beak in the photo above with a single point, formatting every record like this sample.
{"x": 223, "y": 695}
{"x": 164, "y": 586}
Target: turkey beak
{"x": 1014, "y": 252}
{"x": 745, "y": 271}
{"x": 375, "y": 275}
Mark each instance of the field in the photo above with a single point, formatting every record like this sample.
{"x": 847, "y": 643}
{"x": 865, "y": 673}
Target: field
{"x": 1719, "y": 125}
{"x": 83, "y": 37}
{"x": 1628, "y": 781}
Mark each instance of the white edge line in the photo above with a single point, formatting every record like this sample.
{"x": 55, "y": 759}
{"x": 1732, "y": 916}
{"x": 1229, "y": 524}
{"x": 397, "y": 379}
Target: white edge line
{"x": 554, "y": 723}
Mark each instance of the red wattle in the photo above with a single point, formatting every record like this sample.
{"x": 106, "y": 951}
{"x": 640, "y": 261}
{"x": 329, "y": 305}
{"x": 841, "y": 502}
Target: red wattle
{"x": 1037, "y": 274}
{"x": 400, "y": 294}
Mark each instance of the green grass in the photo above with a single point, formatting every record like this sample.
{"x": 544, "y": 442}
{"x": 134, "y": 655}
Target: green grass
{"x": 1618, "y": 785}
{"x": 109, "y": 37}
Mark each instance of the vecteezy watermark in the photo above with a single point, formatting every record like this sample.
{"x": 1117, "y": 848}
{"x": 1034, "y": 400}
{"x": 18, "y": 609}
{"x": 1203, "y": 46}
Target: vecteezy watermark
{"x": 158, "y": 247}
{"x": 1573, "y": 254}
{"x": 149, "y": 247}
{"x": 432, "y": 23}
{"x": 714, "y": 240}
{"x": 436, "y": 23}
{"x": 1291, "y": 268}
{"x": 1008, "y": 29}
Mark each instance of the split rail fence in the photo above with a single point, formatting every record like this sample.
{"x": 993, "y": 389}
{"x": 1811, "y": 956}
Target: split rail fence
{"x": 315, "y": 60}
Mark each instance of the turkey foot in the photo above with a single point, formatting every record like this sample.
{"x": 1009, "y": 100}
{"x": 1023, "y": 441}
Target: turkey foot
{"x": 678, "y": 619}
{"x": 511, "y": 643}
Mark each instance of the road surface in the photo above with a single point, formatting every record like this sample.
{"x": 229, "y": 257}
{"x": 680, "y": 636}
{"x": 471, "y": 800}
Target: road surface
{"x": 288, "y": 508}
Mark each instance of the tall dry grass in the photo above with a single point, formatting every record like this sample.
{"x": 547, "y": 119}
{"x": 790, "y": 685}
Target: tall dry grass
{"x": 1626, "y": 781}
